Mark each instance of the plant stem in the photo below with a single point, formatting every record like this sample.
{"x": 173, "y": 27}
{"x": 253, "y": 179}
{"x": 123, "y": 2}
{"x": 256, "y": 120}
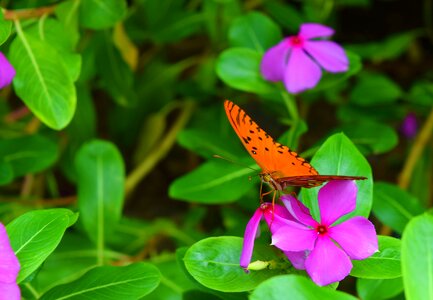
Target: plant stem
{"x": 290, "y": 102}
{"x": 160, "y": 150}
{"x": 29, "y": 13}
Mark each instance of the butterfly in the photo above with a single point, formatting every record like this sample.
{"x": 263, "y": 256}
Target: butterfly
{"x": 281, "y": 167}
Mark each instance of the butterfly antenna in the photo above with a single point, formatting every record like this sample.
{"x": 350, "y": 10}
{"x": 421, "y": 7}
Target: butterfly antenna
{"x": 234, "y": 162}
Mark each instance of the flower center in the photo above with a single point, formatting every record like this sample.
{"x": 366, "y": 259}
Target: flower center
{"x": 296, "y": 41}
{"x": 322, "y": 229}
{"x": 265, "y": 206}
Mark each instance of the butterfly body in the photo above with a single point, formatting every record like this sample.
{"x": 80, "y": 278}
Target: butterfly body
{"x": 281, "y": 167}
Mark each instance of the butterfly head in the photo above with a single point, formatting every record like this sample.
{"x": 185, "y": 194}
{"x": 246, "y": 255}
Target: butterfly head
{"x": 267, "y": 178}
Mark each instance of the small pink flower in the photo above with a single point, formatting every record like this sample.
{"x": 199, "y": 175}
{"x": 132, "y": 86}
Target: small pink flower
{"x": 7, "y": 71}
{"x": 275, "y": 216}
{"x": 9, "y": 268}
{"x": 409, "y": 127}
{"x": 297, "y": 60}
{"x": 328, "y": 248}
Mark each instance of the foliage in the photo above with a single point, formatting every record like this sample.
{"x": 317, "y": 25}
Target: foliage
{"x": 109, "y": 186}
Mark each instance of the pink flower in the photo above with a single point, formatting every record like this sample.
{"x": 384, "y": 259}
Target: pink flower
{"x": 296, "y": 60}
{"x": 9, "y": 268}
{"x": 7, "y": 71}
{"x": 409, "y": 127}
{"x": 328, "y": 248}
{"x": 275, "y": 216}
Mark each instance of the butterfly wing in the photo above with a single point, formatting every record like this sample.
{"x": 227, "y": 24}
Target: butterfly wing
{"x": 309, "y": 181}
{"x": 273, "y": 158}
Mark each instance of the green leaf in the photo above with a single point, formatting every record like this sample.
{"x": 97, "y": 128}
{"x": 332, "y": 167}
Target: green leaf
{"x": 109, "y": 282}
{"x": 6, "y": 172}
{"x": 35, "y": 235}
{"x": 389, "y": 49}
{"x": 384, "y": 264}
{"x": 239, "y": 68}
{"x": 393, "y": 206}
{"x": 96, "y": 14}
{"x": 213, "y": 182}
{"x": 101, "y": 176}
{"x": 174, "y": 282}
{"x": 117, "y": 77}
{"x": 214, "y": 262}
{"x": 421, "y": 93}
{"x": 417, "y": 258}
{"x": 5, "y": 28}
{"x": 378, "y": 289}
{"x": 373, "y": 89}
{"x": 43, "y": 81}
{"x": 255, "y": 31}
{"x": 383, "y": 140}
{"x": 56, "y": 35}
{"x": 285, "y": 14}
{"x": 339, "y": 156}
{"x": 28, "y": 154}
{"x": 295, "y": 287}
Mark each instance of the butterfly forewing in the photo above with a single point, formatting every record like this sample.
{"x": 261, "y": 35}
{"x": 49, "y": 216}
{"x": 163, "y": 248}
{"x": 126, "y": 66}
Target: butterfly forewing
{"x": 273, "y": 158}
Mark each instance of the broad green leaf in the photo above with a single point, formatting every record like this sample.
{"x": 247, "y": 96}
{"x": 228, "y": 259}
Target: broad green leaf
{"x": 67, "y": 13}
{"x": 417, "y": 258}
{"x": 80, "y": 253}
{"x": 295, "y": 287}
{"x": 6, "y": 172}
{"x": 5, "y": 28}
{"x": 329, "y": 80}
{"x": 101, "y": 176}
{"x": 180, "y": 254}
{"x": 384, "y": 264}
{"x": 255, "y": 31}
{"x": 393, "y": 206}
{"x": 43, "y": 81}
{"x": 239, "y": 68}
{"x": 28, "y": 154}
{"x": 117, "y": 77}
{"x": 390, "y": 48}
{"x": 35, "y": 235}
{"x": 174, "y": 282}
{"x": 109, "y": 282}
{"x": 285, "y": 14}
{"x": 214, "y": 262}
{"x": 421, "y": 92}
{"x": 383, "y": 113}
{"x": 97, "y": 14}
{"x": 383, "y": 140}
{"x": 339, "y": 156}
{"x": 56, "y": 35}
{"x": 213, "y": 182}
{"x": 373, "y": 89}
{"x": 378, "y": 289}
{"x": 199, "y": 295}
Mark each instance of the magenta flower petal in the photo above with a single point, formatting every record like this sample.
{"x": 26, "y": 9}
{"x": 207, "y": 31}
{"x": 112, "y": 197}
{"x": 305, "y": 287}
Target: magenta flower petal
{"x": 329, "y": 55}
{"x": 297, "y": 258}
{"x": 302, "y": 72}
{"x": 9, "y": 264}
{"x": 294, "y": 238}
{"x": 9, "y": 291}
{"x": 7, "y": 71}
{"x": 249, "y": 237}
{"x": 313, "y": 30}
{"x": 337, "y": 198}
{"x": 356, "y": 236}
{"x": 327, "y": 263}
{"x": 274, "y": 61}
{"x": 298, "y": 210}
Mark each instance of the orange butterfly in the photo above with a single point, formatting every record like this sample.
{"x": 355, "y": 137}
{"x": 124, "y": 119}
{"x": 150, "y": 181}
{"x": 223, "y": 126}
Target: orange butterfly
{"x": 281, "y": 167}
